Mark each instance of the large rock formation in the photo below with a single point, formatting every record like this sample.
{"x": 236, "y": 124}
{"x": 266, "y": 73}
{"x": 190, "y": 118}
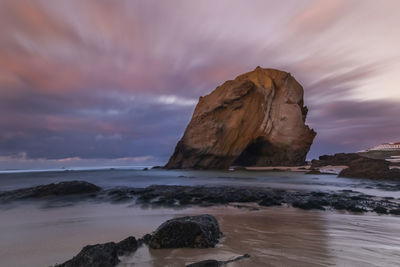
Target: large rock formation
{"x": 258, "y": 119}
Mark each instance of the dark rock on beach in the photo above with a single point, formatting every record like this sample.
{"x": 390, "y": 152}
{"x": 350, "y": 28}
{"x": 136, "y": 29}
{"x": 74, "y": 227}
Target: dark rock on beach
{"x": 358, "y": 166}
{"x": 334, "y": 160}
{"x": 270, "y": 201}
{"x": 144, "y": 240}
{"x": 206, "y": 263}
{"x": 180, "y": 196}
{"x": 215, "y": 263}
{"x": 56, "y": 190}
{"x": 187, "y": 232}
{"x": 126, "y": 246}
{"x": 309, "y": 204}
{"x": 102, "y": 255}
{"x": 99, "y": 255}
{"x": 381, "y": 210}
{"x": 175, "y": 196}
{"x": 370, "y": 168}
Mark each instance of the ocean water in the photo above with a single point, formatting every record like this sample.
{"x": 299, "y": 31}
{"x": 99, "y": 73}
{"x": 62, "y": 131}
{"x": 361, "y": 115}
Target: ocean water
{"x": 33, "y": 234}
{"x": 109, "y": 178}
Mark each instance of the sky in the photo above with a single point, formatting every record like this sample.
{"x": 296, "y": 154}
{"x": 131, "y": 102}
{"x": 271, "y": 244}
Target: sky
{"x": 107, "y": 83}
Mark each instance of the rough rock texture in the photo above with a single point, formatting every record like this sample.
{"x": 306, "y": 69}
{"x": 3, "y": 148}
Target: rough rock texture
{"x": 59, "y": 189}
{"x": 334, "y": 160}
{"x": 180, "y": 196}
{"x": 102, "y": 255}
{"x": 126, "y": 246}
{"x": 370, "y": 168}
{"x": 358, "y": 166}
{"x": 187, "y": 232}
{"x": 258, "y": 119}
{"x": 99, "y": 255}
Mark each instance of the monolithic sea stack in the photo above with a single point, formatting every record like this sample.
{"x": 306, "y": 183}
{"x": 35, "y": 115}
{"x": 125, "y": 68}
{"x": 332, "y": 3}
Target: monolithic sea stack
{"x": 257, "y": 119}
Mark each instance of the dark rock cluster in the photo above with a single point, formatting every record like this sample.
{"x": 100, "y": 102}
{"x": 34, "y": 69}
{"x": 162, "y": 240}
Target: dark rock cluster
{"x": 200, "y": 231}
{"x": 370, "y": 168}
{"x": 334, "y": 160}
{"x": 358, "y": 166}
{"x": 61, "y": 189}
{"x": 176, "y": 196}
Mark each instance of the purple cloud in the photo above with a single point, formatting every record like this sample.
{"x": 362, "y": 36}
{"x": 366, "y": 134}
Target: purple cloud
{"x": 94, "y": 79}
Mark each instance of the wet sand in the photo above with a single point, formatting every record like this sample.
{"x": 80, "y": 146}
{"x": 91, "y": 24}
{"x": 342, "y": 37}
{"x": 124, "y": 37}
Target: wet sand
{"x": 281, "y": 236}
{"x": 35, "y": 233}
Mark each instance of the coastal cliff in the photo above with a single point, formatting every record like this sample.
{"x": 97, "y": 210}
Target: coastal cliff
{"x": 257, "y": 119}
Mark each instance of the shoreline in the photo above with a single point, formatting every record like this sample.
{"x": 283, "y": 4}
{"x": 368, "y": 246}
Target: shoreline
{"x": 177, "y": 196}
{"x": 261, "y": 222}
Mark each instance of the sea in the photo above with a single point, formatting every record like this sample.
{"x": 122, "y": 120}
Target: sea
{"x": 38, "y": 234}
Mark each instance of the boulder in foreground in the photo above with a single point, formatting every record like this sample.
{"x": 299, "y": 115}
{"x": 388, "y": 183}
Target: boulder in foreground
{"x": 99, "y": 255}
{"x": 187, "y": 232}
{"x": 257, "y": 119}
{"x": 102, "y": 255}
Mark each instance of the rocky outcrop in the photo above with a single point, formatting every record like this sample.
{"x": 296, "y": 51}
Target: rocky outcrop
{"x": 187, "y": 232}
{"x": 49, "y": 190}
{"x": 339, "y": 159}
{"x": 370, "y": 168}
{"x": 257, "y": 119}
{"x": 358, "y": 166}
{"x": 99, "y": 255}
{"x": 102, "y": 255}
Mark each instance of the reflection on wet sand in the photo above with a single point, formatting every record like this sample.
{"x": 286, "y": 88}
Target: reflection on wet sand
{"x": 279, "y": 236}
{"x": 272, "y": 236}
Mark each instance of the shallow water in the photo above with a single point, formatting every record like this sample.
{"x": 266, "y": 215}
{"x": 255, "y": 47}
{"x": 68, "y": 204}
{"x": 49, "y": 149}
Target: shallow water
{"x": 35, "y": 234}
{"x": 139, "y": 178}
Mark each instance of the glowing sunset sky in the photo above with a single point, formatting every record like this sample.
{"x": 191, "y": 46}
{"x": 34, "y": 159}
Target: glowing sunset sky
{"x": 115, "y": 82}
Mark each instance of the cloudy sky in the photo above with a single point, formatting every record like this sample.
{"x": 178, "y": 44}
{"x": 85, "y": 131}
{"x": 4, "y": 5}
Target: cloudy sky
{"x": 115, "y": 82}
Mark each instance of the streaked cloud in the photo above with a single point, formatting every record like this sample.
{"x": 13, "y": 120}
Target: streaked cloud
{"x": 175, "y": 100}
{"x": 99, "y": 79}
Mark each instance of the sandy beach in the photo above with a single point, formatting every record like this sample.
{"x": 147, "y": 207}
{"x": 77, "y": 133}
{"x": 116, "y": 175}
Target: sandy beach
{"x": 52, "y": 232}
{"x": 280, "y": 236}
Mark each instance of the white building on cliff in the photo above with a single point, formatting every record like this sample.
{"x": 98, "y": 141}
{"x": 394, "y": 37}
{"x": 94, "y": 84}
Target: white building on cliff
{"x": 386, "y": 147}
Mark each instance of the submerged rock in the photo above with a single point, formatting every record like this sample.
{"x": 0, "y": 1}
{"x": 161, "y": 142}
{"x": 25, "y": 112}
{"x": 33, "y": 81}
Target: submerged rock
{"x": 59, "y": 189}
{"x": 206, "y": 263}
{"x": 191, "y": 232}
{"x": 215, "y": 263}
{"x": 258, "y": 119}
